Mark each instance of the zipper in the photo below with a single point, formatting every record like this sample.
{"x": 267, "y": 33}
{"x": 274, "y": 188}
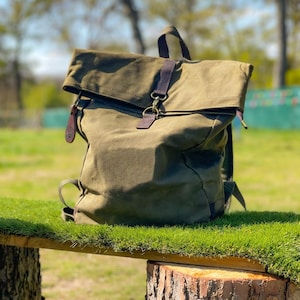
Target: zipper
{"x": 72, "y": 128}
{"x": 228, "y": 112}
{"x": 119, "y": 105}
{"x": 149, "y": 115}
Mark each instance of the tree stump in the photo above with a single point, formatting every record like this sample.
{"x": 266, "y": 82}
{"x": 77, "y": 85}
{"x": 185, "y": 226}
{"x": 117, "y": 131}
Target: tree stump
{"x": 20, "y": 276}
{"x": 182, "y": 282}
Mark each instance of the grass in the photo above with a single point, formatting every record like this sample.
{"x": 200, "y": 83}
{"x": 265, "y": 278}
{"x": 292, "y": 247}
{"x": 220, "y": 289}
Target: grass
{"x": 238, "y": 234}
{"x": 33, "y": 162}
{"x": 266, "y": 168}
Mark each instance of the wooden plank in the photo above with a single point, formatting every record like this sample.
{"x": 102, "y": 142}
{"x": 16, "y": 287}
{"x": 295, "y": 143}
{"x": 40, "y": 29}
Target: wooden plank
{"x": 239, "y": 263}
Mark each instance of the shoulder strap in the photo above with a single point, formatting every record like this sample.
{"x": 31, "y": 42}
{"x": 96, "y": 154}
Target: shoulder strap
{"x": 228, "y": 160}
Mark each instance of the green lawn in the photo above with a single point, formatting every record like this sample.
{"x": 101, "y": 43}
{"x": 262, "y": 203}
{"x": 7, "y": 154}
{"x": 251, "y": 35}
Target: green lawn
{"x": 267, "y": 169}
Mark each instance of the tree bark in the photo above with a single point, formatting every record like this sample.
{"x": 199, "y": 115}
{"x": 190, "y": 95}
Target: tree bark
{"x": 181, "y": 282}
{"x": 18, "y": 83}
{"x": 133, "y": 17}
{"x": 281, "y": 67}
{"x": 20, "y": 276}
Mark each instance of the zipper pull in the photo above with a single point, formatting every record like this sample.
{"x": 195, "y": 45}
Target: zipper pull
{"x": 240, "y": 116}
{"x": 71, "y": 125}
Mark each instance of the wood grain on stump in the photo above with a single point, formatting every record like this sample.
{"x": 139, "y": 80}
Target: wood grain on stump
{"x": 20, "y": 276}
{"x": 171, "y": 281}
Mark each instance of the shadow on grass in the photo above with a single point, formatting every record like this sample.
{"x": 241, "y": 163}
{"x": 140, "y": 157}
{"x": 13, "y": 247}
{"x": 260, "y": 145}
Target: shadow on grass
{"x": 10, "y": 226}
{"x": 235, "y": 219}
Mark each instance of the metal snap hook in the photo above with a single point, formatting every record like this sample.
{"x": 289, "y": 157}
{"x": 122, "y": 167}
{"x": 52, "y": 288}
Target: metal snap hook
{"x": 153, "y": 109}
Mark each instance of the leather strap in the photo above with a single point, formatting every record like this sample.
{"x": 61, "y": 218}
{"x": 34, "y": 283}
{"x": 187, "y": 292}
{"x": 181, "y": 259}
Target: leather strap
{"x": 70, "y": 132}
{"x": 62, "y": 184}
{"x": 228, "y": 160}
{"x": 163, "y": 47}
{"x": 159, "y": 94}
{"x": 164, "y": 79}
{"x": 230, "y": 187}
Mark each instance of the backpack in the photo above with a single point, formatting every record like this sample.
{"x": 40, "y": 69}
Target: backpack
{"x": 158, "y": 134}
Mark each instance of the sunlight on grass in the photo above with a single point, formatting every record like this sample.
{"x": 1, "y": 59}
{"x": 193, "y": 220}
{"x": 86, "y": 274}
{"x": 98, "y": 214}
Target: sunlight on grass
{"x": 267, "y": 169}
{"x": 33, "y": 162}
{"x": 94, "y": 276}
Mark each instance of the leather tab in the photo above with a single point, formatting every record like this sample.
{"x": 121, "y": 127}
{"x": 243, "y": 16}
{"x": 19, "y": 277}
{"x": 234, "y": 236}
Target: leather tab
{"x": 71, "y": 126}
{"x": 147, "y": 120}
{"x": 231, "y": 189}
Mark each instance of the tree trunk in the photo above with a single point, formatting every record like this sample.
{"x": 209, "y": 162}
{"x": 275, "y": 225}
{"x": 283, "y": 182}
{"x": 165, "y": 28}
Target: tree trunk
{"x": 20, "y": 276}
{"x": 181, "y": 282}
{"x": 281, "y": 66}
{"x": 18, "y": 83}
{"x": 133, "y": 17}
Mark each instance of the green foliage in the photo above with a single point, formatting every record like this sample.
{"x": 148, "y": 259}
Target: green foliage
{"x": 221, "y": 34}
{"x": 45, "y": 94}
{"x": 293, "y": 77}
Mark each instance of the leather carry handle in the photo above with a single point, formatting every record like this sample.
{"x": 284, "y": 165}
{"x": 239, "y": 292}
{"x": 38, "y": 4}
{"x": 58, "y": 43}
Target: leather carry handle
{"x": 163, "y": 47}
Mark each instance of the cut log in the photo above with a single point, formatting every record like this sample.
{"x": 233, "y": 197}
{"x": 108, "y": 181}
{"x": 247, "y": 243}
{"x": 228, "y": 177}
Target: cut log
{"x": 181, "y": 282}
{"x": 20, "y": 276}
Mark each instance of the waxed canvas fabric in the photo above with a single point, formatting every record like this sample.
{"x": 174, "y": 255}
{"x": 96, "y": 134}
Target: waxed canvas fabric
{"x": 131, "y": 78}
{"x": 171, "y": 172}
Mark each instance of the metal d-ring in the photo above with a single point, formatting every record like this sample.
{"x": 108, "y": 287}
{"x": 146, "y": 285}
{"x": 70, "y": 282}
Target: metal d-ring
{"x": 153, "y": 109}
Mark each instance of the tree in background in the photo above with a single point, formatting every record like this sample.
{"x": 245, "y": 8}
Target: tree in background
{"x": 287, "y": 64}
{"x": 133, "y": 16}
{"x": 17, "y": 20}
{"x": 217, "y": 29}
{"x": 281, "y": 64}
{"x": 20, "y": 268}
{"x": 221, "y": 29}
{"x": 293, "y": 41}
{"x": 95, "y": 24}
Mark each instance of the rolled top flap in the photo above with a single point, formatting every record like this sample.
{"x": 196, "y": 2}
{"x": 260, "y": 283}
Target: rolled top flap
{"x": 132, "y": 78}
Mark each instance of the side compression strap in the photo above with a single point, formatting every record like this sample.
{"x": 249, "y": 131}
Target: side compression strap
{"x": 230, "y": 187}
{"x": 67, "y": 212}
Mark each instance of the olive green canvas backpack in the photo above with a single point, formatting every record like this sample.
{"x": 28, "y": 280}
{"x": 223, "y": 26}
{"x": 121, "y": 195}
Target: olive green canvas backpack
{"x": 158, "y": 134}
